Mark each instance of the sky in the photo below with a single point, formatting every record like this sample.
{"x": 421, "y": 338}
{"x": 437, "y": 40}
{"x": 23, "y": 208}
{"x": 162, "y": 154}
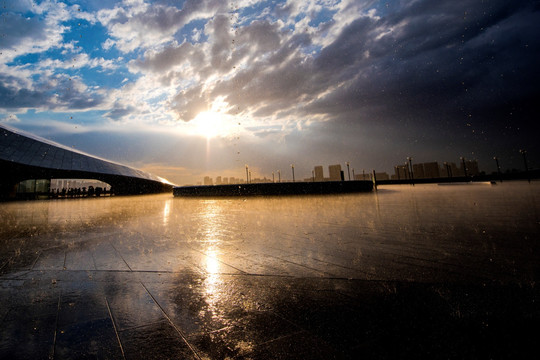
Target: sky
{"x": 194, "y": 88}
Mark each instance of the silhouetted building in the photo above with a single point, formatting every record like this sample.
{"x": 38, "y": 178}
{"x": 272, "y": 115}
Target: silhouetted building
{"x": 24, "y": 156}
{"x": 319, "y": 173}
{"x": 431, "y": 170}
{"x": 450, "y": 169}
{"x": 208, "y": 181}
{"x": 472, "y": 167}
{"x": 401, "y": 172}
{"x": 418, "y": 171}
{"x": 382, "y": 176}
{"x": 335, "y": 173}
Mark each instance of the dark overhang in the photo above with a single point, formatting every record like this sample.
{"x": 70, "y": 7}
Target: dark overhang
{"x": 25, "y": 156}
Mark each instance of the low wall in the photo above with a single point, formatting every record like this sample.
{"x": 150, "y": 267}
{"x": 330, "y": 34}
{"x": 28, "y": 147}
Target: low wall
{"x": 296, "y": 188}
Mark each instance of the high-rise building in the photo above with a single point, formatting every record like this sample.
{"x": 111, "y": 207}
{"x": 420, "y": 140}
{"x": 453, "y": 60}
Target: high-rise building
{"x": 218, "y": 180}
{"x": 319, "y": 173}
{"x": 418, "y": 171}
{"x": 472, "y": 167}
{"x": 335, "y": 172}
{"x": 208, "y": 181}
{"x": 401, "y": 172}
{"x": 431, "y": 170}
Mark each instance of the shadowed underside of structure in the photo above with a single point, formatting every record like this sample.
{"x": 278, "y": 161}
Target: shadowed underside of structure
{"x": 24, "y": 157}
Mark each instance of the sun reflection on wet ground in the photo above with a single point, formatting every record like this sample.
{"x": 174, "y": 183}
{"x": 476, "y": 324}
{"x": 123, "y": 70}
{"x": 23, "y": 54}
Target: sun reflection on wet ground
{"x": 454, "y": 268}
{"x": 166, "y": 212}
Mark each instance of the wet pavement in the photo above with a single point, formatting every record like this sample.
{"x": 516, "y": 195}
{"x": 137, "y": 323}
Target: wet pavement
{"x": 424, "y": 272}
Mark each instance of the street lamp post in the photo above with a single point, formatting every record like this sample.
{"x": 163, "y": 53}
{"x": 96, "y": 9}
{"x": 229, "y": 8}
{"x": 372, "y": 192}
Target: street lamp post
{"x": 353, "y": 176}
{"x": 247, "y": 174}
{"x": 498, "y": 168}
{"x": 448, "y": 173}
{"x": 411, "y": 169}
{"x": 464, "y": 166}
{"x": 348, "y": 171}
{"x": 279, "y": 175}
{"x": 292, "y": 167}
{"x": 273, "y": 177}
{"x": 524, "y": 153}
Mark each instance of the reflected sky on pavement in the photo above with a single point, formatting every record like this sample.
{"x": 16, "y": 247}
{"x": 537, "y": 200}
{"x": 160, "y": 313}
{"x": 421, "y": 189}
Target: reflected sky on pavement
{"x": 349, "y": 236}
{"x": 251, "y": 277}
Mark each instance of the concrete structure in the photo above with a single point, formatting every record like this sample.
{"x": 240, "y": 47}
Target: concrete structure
{"x": 450, "y": 169}
{"x": 269, "y": 188}
{"x": 418, "y": 171}
{"x": 472, "y": 167}
{"x": 208, "y": 180}
{"x": 431, "y": 170}
{"x": 382, "y": 176}
{"x": 319, "y": 173}
{"x": 24, "y": 156}
{"x": 335, "y": 173}
{"x": 401, "y": 172}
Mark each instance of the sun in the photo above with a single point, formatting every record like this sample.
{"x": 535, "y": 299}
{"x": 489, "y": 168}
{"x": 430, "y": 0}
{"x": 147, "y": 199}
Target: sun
{"x": 211, "y": 124}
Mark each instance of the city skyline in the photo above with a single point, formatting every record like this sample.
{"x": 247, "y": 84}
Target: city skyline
{"x": 194, "y": 88}
{"x": 428, "y": 170}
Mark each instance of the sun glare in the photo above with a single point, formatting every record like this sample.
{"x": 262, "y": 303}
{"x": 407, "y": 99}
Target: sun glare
{"x": 211, "y": 124}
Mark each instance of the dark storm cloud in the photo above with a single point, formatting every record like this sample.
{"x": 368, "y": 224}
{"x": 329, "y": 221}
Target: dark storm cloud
{"x": 457, "y": 58}
{"x": 12, "y": 98}
{"x": 16, "y": 28}
{"x": 273, "y": 84}
{"x": 463, "y": 58}
{"x": 57, "y": 93}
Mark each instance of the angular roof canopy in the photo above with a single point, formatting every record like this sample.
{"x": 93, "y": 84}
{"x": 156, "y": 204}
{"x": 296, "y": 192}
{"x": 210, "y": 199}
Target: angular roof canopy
{"x": 23, "y": 155}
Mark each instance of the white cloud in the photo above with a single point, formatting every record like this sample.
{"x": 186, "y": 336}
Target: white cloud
{"x": 137, "y": 24}
{"x": 9, "y": 118}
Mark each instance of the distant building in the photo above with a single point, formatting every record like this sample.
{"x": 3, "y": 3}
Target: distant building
{"x": 472, "y": 167}
{"x": 401, "y": 172}
{"x": 455, "y": 170}
{"x": 418, "y": 171}
{"x": 260, "y": 181}
{"x": 319, "y": 173}
{"x": 208, "y": 181}
{"x": 431, "y": 170}
{"x": 218, "y": 180}
{"x": 335, "y": 173}
{"x": 382, "y": 176}
{"x": 450, "y": 169}
{"x": 362, "y": 176}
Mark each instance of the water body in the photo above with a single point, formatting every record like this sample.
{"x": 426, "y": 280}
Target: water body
{"x": 243, "y": 277}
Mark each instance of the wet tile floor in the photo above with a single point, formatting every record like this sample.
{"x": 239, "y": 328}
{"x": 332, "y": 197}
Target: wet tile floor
{"x": 149, "y": 286}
